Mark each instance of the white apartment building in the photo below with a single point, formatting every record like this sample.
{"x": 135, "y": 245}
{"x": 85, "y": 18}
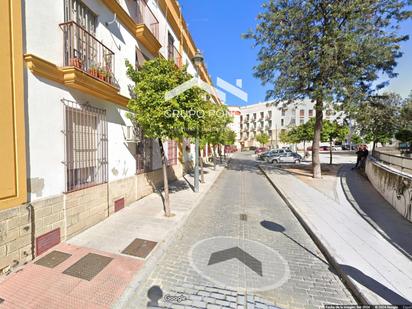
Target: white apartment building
{"x": 71, "y": 155}
{"x": 269, "y": 118}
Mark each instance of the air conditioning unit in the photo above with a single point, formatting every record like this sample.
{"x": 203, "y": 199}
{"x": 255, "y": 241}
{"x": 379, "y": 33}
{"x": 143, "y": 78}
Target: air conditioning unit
{"x": 131, "y": 134}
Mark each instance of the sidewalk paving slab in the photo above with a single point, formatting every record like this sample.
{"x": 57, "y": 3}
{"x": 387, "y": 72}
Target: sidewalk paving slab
{"x": 355, "y": 189}
{"x": 37, "y": 286}
{"x": 380, "y": 273}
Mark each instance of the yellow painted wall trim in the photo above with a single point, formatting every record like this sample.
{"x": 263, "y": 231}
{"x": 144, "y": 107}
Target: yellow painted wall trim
{"x": 171, "y": 9}
{"x": 76, "y": 79}
{"x": 43, "y": 68}
{"x": 146, "y": 37}
{"x": 13, "y": 188}
{"x": 139, "y": 31}
{"x": 121, "y": 15}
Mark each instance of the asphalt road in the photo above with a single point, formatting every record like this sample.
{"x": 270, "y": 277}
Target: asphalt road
{"x": 242, "y": 248}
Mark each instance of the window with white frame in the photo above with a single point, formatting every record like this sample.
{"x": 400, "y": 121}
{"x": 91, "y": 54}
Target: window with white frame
{"x": 86, "y": 145}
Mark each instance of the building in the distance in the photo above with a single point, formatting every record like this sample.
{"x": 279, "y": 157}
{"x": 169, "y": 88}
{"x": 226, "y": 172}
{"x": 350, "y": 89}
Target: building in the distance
{"x": 271, "y": 118}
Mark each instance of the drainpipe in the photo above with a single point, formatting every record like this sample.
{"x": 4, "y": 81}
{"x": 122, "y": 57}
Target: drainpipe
{"x": 31, "y": 215}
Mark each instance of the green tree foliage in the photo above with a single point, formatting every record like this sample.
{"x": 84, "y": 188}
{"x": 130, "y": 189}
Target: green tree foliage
{"x": 228, "y": 137}
{"x": 262, "y": 138}
{"x": 215, "y": 120}
{"x": 327, "y": 50}
{"x": 356, "y": 139}
{"x": 406, "y": 113}
{"x": 333, "y": 131}
{"x": 378, "y": 118}
{"x": 158, "y": 118}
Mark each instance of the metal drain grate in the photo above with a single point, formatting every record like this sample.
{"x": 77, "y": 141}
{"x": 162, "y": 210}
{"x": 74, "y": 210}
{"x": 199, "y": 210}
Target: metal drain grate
{"x": 88, "y": 266}
{"x": 140, "y": 248}
{"x": 53, "y": 259}
{"x": 243, "y": 217}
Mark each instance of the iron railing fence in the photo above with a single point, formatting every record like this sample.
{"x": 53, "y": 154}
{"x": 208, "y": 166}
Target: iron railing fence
{"x": 85, "y": 52}
{"x": 86, "y": 145}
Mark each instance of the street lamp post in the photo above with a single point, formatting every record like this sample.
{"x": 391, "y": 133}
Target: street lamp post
{"x": 197, "y": 61}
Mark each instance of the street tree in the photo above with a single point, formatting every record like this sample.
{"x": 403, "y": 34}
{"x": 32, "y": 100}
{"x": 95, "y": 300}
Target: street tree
{"x": 404, "y": 136}
{"x": 356, "y": 139}
{"x": 333, "y": 131}
{"x": 378, "y": 118}
{"x": 161, "y": 119}
{"x": 406, "y": 113}
{"x": 262, "y": 138}
{"x": 214, "y": 121}
{"x": 327, "y": 51}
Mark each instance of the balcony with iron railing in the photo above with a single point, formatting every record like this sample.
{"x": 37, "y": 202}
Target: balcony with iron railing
{"x": 85, "y": 52}
{"x": 174, "y": 55}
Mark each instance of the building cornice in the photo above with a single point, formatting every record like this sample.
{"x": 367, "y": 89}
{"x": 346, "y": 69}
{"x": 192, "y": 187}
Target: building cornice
{"x": 74, "y": 78}
{"x": 139, "y": 31}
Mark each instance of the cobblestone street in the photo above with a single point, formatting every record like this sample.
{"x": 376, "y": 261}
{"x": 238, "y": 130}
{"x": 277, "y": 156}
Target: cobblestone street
{"x": 242, "y": 207}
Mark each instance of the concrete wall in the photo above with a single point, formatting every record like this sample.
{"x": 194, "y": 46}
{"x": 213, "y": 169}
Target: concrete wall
{"x": 392, "y": 185}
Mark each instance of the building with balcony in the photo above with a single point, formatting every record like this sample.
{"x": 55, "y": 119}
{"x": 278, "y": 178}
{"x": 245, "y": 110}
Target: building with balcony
{"x": 271, "y": 119}
{"x": 70, "y": 155}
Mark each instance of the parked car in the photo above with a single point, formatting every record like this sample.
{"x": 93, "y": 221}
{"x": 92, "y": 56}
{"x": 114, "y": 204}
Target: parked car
{"x": 347, "y": 147}
{"x": 252, "y": 148}
{"x": 275, "y": 153}
{"x": 260, "y": 150}
{"x": 230, "y": 149}
{"x": 262, "y": 156}
{"x": 337, "y": 148}
{"x": 287, "y": 157}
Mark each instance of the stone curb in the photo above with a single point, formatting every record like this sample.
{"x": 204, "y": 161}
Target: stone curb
{"x": 150, "y": 264}
{"x": 359, "y": 297}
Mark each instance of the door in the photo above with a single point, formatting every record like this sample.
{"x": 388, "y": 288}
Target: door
{"x": 12, "y": 135}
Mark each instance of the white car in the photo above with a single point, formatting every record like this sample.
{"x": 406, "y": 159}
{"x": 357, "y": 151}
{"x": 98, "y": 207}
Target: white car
{"x": 337, "y": 148}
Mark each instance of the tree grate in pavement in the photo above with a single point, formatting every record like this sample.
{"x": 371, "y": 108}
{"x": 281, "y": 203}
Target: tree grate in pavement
{"x": 140, "y": 248}
{"x": 243, "y": 217}
{"x": 88, "y": 266}
{"x": 53, "y": 259}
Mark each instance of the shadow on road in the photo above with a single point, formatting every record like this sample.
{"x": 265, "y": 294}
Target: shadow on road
{"x": 272, "y": 226}
{"x": 375, "y": 286}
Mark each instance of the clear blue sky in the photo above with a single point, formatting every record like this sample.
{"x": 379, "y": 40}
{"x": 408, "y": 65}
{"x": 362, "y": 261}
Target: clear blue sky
{"x": 217, "y": 25}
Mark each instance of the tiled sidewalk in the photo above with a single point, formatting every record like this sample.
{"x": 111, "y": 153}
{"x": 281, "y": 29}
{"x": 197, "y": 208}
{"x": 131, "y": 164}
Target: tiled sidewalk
{"x": 374, "y": 268}
{"x": 37, "y": 286}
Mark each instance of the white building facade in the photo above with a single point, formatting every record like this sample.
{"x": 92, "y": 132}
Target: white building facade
{"x": 81, "y": 156}
{"x": 270, "y": 118}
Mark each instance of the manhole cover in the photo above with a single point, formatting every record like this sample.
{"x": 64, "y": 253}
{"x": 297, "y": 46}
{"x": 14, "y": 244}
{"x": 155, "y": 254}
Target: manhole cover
{"x": 53, "y": 259}
{"x": 88, "y": 266}
{"x": 239, "y": 264}
{"x": 140, "y": 248}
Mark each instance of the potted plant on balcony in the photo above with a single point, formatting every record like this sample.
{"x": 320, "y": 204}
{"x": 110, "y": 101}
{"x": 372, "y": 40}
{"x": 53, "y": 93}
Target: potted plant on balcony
{"x": 93, "y": 70}
{"x": 109, "y": 77}
{"x": 76, "y": 62}
{"x": 101, "y": 74}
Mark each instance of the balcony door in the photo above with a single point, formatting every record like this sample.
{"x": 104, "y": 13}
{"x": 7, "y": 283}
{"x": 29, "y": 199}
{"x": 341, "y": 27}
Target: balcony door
{"x": 83, "y": 46}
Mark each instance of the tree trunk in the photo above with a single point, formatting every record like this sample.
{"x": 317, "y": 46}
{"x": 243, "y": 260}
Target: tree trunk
{"x": 165, "y": 181}
{"x": 317, "y": 172}
{"x": 304, "y": 150}
{"x": 374, "y": 145}
{"x": 214, "y": 157}
{"x": 202, "y": 176}
{"x": 330, "y": 152}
